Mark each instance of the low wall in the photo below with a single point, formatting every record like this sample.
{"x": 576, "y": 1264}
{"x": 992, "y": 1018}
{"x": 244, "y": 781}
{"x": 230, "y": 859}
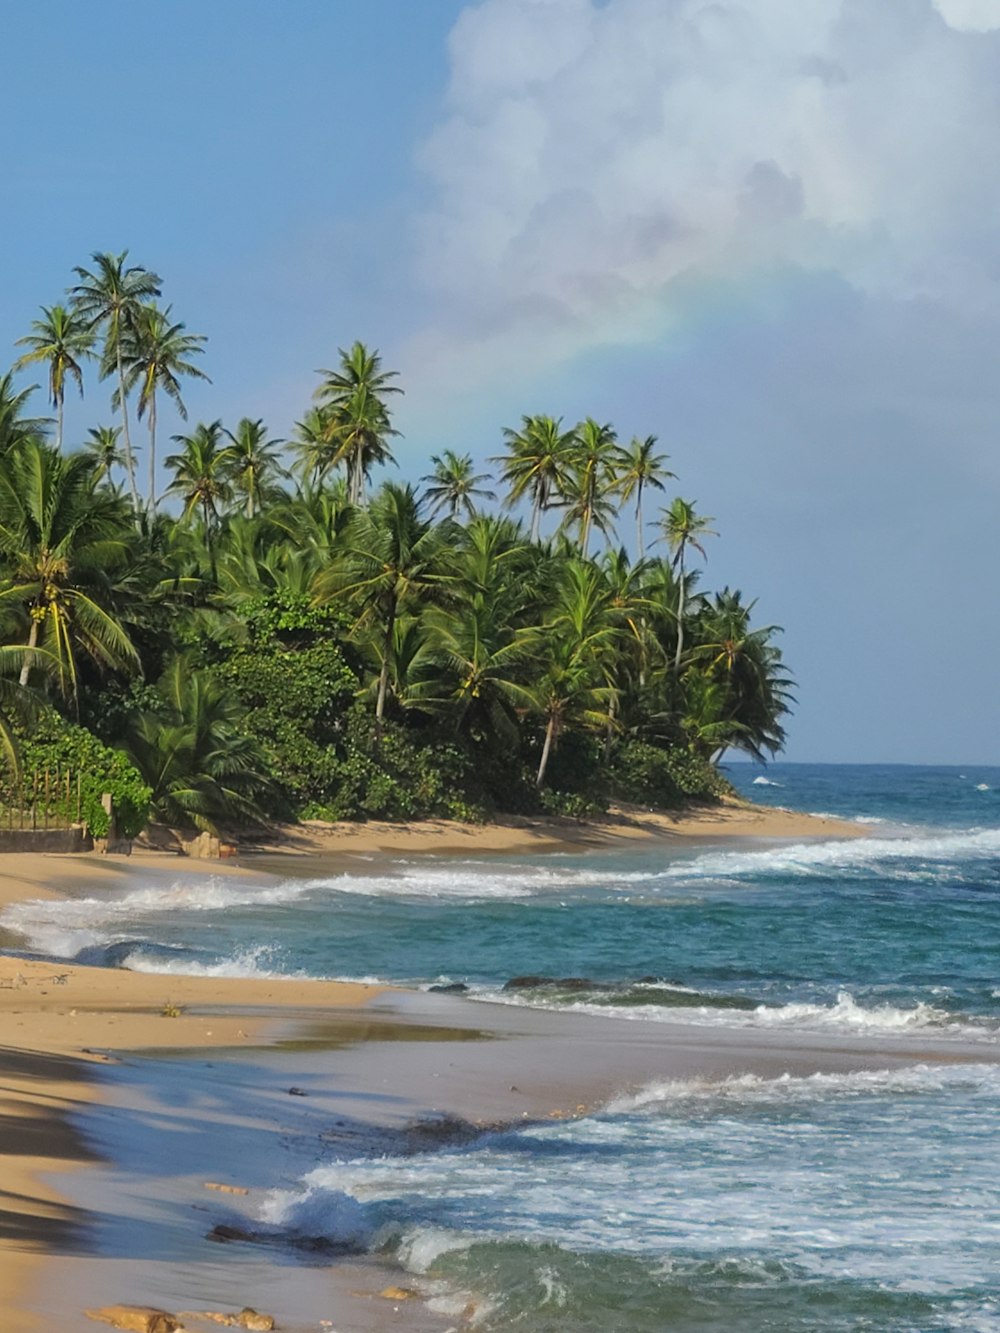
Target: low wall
{"x": 45, "y": 840}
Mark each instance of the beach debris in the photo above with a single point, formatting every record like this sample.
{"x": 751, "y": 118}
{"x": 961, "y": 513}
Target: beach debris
{"x": 225, "y": 1189}
{"x": 136, "y": 1318}
{"x": 171, "y": 1010}
{"x": 297, "y": 1092}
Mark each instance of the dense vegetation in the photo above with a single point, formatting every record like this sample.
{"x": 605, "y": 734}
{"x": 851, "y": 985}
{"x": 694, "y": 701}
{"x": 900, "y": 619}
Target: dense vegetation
{"x": 271, "y": 637}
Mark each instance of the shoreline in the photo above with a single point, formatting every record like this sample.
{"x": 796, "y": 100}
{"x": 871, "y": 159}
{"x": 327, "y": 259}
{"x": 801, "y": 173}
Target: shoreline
{"x": 61, "y": 1019}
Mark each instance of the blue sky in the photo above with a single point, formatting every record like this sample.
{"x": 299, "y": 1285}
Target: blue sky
{"x": 764, "y": 232}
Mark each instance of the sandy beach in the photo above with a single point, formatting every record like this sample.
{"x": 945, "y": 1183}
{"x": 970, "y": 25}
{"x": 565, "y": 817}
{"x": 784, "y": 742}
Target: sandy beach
{"x": 371, "y": 1057}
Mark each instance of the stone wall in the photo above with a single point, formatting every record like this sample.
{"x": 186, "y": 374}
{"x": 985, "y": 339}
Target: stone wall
{"x": 74, "y": 839}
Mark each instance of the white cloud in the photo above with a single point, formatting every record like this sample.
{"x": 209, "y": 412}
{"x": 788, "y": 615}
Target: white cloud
{"x": 594, "y": 151}
{"x": 970, "y": 15}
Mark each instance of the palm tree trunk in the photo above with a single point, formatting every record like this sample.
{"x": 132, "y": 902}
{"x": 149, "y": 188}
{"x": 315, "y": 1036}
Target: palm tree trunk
{"x": 536, "y": 516}
{"x": 129, "y": 456}
{"x": 29, "y": 656}
{"x": 610, "y": 729}
{"x": 151, "y": 498}
{"x": 680, "y": 615}
{"x": 59, "y": 424}
{"x": 550, "y": 732}
{"x": 640, "y": 545}
{"x": 585, "y": 533}
{"x": 383, "y": 679}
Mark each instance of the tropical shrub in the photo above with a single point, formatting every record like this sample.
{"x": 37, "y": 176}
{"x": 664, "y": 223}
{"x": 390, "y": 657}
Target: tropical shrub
{"x": 56, "y": 745}
{"x": 648, "y": 775}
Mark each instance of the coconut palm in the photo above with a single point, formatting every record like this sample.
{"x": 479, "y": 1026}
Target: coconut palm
{"x": 683, "y": 528}
{"x": 14, "y": 425}
{"x": 576, "y": 648}
{"x": 357, "y": 417}
{"x": 63, "y": 542}
{"x": 155, "y": 353}
{"x": 201, "y": 473}
{"x": 593, "y": 457}
{"x": 453, "y": 484}
{"x": 536, "y": 464}
{"x": 202, "y": 769}
{"x": 109, "y": 298}
{"x": 61, "y": 339}
{"x": 315, "y": 446}
{"x": 253, "y": 465}
{"x": 102, "y": 446}
{"x": 392, "y": 559}
{"x": 641, "y": 467}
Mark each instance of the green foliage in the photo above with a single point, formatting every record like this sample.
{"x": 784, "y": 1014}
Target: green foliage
{"x": 321, "y": 649}
{"x": 401, "y": 777}
{"x": 57, "y": 745}
{"x": 571, "y": 804}
{"x": 649, "y": 775}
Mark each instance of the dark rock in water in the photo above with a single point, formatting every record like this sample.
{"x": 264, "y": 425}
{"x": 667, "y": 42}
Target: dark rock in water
{"x": 297, "y": 1092}
{"x": 452, "y": 988}
{"x": 578, "y": 983}
{"x": 310, "y": 1244}
{"x": 226, "y": 1233}
{"x": 528, "y": 983}
{"x": 556, "y": 983}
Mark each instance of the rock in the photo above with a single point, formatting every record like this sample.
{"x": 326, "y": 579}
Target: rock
{"x": 398, "y": 1294}
{"x": 135, "y": 1318}
{"x": 527, "y": 982}
{"x": 297, "y": 1092}
{"x": 452, "y": 988}
{"x": 224, "y": 1233}
{"x": 255, "y": 1321}
{"x": 226, "y": 1189}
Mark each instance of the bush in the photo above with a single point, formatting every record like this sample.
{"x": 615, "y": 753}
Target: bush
{"x": 648, "y": 775}
{"x": 572, "y": 805}
{"x": 56, "y": 745}
{"x": 402, "y": 777}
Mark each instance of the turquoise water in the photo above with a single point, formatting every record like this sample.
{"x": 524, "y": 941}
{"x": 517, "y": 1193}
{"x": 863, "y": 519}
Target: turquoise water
{"x": 848, "y": 1202}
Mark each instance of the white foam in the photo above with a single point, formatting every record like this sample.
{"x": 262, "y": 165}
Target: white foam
{"x": 251, "y": 962}
{"x": 844, "y": 1015}
{"x": 766, "y": 782}
{"x": 818, "y": 858}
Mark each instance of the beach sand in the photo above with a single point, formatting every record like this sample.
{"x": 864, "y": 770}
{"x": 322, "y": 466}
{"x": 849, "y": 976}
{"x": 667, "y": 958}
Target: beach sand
{"x": 373, "y": 1058}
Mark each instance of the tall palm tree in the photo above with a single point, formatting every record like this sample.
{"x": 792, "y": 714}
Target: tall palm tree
{"x": 357, "y": 415}
{"x": 453, "y": 484}
{"x": 253, "y": 463}
{"x": 155, "y": 353}
{"x": 577, "y": 648}
{"x": 201, "y": 473}
{"x": 392, "y": 558}
{"x": 594, "y": 455}
{"x": 62, "y": 542}
{"x": 536, "y": 464}
{"x": 641, "y": 466}
{"x": 61, "y": 339}
{"x": 315, "y": 446}
{"x": 14, "y": 425}
{"x": 109, "y": 297}
{"x": 683, "y": 528}
{"x": 102, "y": 446}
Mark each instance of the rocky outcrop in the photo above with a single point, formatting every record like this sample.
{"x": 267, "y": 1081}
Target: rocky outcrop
{"x": 136, "y": 1318}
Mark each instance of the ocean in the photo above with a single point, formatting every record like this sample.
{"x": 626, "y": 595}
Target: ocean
{"x": 855, "y": 1201}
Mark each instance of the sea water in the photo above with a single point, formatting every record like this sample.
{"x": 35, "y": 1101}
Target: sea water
{"x": 836, "y": 1202}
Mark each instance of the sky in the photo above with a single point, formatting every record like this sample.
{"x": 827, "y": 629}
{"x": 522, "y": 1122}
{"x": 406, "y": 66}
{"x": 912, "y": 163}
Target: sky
{"x": 765, "y": 231}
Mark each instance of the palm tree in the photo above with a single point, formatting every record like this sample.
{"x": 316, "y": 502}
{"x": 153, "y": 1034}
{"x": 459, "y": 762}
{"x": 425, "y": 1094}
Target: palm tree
{"x": 577, "y": 651}
{"x": 391, "y": 560}
{"x": 17, "y": 704}
{"x": 253, "y": 463}
{"x": 62, "y": 542}
{"x": 102, "y": 447}
{"x": 61, "y": 339}
{"x": 593, "y": 456}
{"x": 14, "y": 425}
{"x": 202, "y": 769}
{"x": 200, "y": 473}
{"x": 315, "y": 446}
{"x": 641, "y": 467}
{"x": 110, "y": 297}
{"x": 154, "y": 353}
{"x": 683, "y": 528}
{"x": 357, "y": 416}
{"x": 536, "y": 463}
{"x": 453, "y": 484}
